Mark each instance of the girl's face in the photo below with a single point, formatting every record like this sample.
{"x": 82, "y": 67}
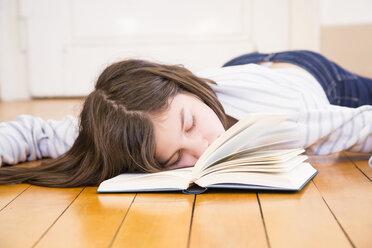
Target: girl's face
{"x": 184, "y": 131}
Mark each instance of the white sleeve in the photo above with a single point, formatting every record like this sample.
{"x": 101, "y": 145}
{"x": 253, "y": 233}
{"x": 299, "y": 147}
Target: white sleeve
{"x": 339, "y": 128}
{"x": 30, "y": 138}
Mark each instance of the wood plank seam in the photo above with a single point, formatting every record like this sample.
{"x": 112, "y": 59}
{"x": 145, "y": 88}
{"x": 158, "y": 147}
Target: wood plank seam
{"x": 59, "y": 216}
{"x": 191, "y": 220}
{"x": 334, "y": 216}
{"x": 15, "y": 197}
{"x": 263, "y": 221}
{"x": 121, "y": 223}
{"x": 356, "y": 165}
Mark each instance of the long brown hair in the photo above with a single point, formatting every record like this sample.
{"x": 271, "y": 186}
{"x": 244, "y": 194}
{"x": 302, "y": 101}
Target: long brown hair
{"x": 116, "y": 133}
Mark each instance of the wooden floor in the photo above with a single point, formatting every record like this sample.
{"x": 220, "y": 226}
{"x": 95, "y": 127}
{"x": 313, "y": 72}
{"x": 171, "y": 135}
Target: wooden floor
{"x": 333, "y": 210}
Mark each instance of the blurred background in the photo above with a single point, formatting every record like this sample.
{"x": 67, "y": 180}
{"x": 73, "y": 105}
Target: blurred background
{"x": 57, "y": 48}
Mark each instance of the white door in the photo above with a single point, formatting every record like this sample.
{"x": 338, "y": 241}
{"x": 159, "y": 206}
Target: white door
{"x": 69, "y": 42}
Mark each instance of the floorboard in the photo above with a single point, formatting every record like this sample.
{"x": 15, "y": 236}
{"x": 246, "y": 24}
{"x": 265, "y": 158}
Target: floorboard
{"x": 10, "y": 192}
{"x": 227, "y": 220}
{"x": 301, "y": 220}
{"x": 348, "y": 193}
{"x": 90, "y": 221}
{"x": 32, "y": 213}
{"x": 361, "y": 162}
{"x": 158, "y": 220}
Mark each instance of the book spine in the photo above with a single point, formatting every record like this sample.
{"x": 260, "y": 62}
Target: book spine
{"x": 194, "y": 189}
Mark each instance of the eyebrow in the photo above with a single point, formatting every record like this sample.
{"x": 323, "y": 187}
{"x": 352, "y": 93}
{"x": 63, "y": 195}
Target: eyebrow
{"x": 182, "y": 126}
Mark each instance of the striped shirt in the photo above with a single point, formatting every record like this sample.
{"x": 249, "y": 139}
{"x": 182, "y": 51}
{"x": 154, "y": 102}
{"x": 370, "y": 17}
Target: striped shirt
{"x": 30, "y": 138}
{"x": 313, "y": 123}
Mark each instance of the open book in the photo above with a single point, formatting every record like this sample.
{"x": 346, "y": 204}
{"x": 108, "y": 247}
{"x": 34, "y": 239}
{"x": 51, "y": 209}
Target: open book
{"x": 230, "y": 162}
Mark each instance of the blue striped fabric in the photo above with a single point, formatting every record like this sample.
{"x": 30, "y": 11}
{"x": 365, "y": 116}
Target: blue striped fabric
{"x": 29, "y": 138}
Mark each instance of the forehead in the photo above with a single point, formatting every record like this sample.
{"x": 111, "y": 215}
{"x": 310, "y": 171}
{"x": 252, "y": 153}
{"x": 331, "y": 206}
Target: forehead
{"x": 175, "y": 105}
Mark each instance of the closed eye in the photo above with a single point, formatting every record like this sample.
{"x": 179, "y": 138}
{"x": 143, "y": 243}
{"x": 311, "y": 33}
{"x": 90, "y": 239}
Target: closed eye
{"x": 179, "y": 153}
{"x": 192, "y": 125}
{"x": 179, "y": 156}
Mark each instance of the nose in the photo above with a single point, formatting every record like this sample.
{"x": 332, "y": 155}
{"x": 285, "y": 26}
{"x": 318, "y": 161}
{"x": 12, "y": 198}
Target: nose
{"x": 197, "y": 146}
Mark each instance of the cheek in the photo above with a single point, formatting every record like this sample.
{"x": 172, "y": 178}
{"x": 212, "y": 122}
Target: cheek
{"x": 210, "y": 125}
{"x": 186, "y": 161}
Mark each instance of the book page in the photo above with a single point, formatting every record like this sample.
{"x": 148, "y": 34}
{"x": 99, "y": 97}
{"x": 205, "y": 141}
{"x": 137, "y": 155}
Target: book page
{"x": 267, "y": 146}
{"x": 268, "y": 166}
{"x": 236, "y": 137}
{"x": 291, "y": 180}
{"x": 134, "y": 182}
{"x": 263, "y": 156}
{"x": 256, "y": 158}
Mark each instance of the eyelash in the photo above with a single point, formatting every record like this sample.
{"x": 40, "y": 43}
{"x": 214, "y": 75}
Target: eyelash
{"x": 178, "y": 158}
{"x": 180, "y": 152}
{"x": 193, "y": 124}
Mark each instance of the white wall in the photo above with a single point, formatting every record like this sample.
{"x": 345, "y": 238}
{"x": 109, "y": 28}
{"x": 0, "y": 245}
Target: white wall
{"x": 58, "y": 47}
{"x": 345, "y": 12}
{"x": 13, "y": 66}
{"x": 346, "y": 34}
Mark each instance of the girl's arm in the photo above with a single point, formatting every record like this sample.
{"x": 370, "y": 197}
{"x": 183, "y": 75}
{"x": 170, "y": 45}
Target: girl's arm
{"x": 338, "y": 128}
{"x": 30, "y": 138}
